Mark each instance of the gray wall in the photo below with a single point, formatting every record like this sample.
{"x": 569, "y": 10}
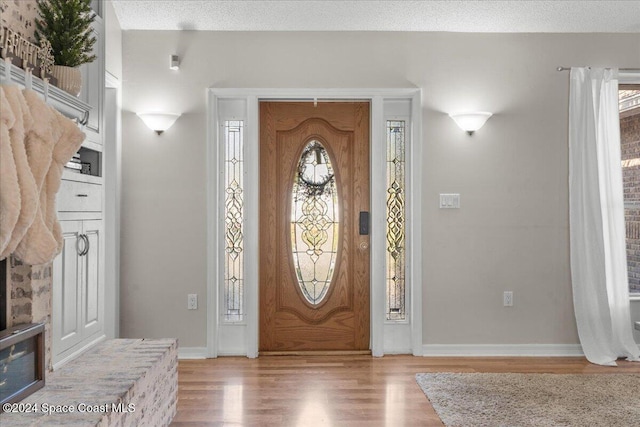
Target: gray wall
{"x": 113, "y": 41}
{"x": 511, "y": 232}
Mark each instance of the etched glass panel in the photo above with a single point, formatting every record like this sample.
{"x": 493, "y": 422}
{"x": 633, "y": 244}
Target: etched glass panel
{"x": 314, "y": 222}
{"x": 233, "y": 310}
{"x": 395, "y": 274}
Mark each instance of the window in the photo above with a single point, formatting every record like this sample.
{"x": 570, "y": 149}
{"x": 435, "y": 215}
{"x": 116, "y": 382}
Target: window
{"x": 396, "y": 219}
{"x": 629, "y": 96}
{"x": 233, "y": 310}
{"x": 314, "y": 222}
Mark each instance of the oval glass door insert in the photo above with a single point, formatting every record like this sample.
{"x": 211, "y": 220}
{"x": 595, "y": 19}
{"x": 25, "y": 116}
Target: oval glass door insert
{"x": 314, "y": 222}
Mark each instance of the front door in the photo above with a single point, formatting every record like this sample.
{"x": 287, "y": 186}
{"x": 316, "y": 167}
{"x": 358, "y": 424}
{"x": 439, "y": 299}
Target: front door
{"x": 314, "y": 242}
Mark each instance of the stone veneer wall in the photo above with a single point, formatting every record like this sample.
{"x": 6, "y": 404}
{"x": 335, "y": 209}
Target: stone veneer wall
{"x": 138, "y": 372}
{"x": 630, "y": 140}
{"x": 30, "y": 298}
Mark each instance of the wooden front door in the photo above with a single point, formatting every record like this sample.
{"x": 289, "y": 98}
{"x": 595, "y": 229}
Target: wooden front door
{"x": 314, "y": 257}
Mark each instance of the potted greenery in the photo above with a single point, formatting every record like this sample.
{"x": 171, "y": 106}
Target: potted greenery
{"x": 66, "y": 24}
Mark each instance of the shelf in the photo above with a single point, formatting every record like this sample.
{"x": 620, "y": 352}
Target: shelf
{"x": 69, "y": 175}
{"x": 65, "y": 103}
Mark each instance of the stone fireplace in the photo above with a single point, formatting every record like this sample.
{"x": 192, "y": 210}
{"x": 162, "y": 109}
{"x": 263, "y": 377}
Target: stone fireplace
{"x": 28, "y": 294}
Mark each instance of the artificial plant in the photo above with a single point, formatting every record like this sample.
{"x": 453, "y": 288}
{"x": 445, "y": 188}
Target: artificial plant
{"x": 66, "y": 24}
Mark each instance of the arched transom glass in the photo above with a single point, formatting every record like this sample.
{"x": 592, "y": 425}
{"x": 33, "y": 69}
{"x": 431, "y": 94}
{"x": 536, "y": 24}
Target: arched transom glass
{"x": 314, "y": 222}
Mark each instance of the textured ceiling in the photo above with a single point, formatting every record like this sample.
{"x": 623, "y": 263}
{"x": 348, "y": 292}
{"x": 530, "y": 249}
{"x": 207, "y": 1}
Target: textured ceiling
{"x": 362, "y": 15}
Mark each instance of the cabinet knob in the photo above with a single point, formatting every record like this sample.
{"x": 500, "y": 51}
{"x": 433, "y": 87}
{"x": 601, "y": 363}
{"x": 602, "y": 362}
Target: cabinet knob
{"x": 82, "y": 195}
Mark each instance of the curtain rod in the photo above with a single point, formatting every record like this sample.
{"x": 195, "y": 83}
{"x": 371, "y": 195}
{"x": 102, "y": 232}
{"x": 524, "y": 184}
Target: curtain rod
{"x": 620, "y": 69}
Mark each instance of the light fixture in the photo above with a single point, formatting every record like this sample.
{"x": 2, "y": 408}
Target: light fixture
{"x": 174, "y": 62}
{"x": 158, "y": 122}
{"x": 471, "y": 122}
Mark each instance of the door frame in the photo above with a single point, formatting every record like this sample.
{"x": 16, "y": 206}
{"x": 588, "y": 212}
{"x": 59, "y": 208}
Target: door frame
{"x": 112, "y": 201}
{"x": 243, "y": 339}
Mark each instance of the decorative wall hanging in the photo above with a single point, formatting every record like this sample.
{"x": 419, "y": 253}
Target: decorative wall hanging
{"x": 310, "y": 183}
{"x": 25, "y": 54}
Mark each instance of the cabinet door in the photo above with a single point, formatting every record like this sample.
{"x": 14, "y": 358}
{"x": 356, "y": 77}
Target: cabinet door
{"x": 96, "y": 6}
{"x": 67, "y": 291}
{"x": 93, "y": 86}
{"x": 93, "y": 280}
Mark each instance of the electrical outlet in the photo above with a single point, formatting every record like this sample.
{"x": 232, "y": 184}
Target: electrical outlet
{"x": 192, "y": 302}
{"x": 507, "y": 299}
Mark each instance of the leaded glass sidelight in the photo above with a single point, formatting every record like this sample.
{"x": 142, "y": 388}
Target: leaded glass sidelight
{"x": 233, "y": 309}
{"x": 314, "y": 222}
{"x": 395, "y": 275}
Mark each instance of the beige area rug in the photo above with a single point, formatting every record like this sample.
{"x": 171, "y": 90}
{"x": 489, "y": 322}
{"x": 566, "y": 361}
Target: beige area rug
{"x": 473, "y": 399}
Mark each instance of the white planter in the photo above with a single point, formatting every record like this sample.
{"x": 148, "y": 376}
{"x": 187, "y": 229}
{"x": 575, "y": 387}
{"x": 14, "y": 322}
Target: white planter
{"x": 69, "y": 79}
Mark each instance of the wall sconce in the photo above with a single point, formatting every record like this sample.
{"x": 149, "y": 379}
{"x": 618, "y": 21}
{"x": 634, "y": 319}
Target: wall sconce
{"x": 174, "y": 62}
{"x": 471, "y": 122}
{"x": 158, "y": 122}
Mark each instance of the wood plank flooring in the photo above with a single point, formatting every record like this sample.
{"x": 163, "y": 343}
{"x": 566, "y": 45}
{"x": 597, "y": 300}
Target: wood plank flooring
{"x": 334, "y": 390}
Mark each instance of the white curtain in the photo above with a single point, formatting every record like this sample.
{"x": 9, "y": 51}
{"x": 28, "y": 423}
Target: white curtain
{"x": 597, "y": 227}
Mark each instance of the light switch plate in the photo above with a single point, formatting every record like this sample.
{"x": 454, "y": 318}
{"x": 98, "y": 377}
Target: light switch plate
{"x": 450, "y": 201}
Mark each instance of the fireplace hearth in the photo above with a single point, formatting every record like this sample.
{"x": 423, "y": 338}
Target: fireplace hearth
{"x": 21, "y": 362}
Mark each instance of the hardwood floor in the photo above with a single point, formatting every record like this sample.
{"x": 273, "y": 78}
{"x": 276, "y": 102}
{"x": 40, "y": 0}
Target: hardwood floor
{"x": 334, "y": 390}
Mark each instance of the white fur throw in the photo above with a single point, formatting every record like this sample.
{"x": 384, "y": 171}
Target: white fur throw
{"x": 9, "y": 187}
{"x": 47, "y": 141}
{"x": 26, "y": 183}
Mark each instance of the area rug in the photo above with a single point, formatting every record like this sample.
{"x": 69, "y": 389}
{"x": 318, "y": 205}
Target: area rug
{"x": 474, "y": 399}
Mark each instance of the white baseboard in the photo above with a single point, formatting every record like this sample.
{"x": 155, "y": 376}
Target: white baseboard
{"x": 546, "y": 350}
{"x": 232, "y": 353}
{"x": 192, "y": 353}
{"x": 450, "y": 350}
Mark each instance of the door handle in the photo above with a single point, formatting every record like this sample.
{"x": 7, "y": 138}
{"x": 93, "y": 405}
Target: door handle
{"x": 86, "y": 238}
{"x": 79, "y": 239}
{"x": 86, "y": 245}
{"x": 364, "y": 223}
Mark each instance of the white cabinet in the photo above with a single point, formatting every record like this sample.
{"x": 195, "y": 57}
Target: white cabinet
{"x": 96, "y": 5}
{"x": 93, "y": 86}
{"x": 78, "y": 289}
{"x": 78, "y": 196}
